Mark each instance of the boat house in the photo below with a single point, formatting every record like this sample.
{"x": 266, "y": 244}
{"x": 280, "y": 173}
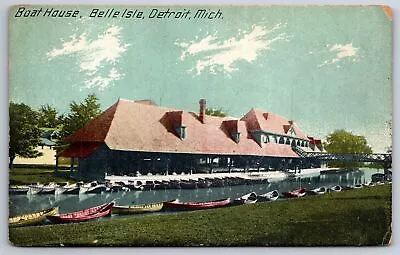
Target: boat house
{"x": 139, "y": 137}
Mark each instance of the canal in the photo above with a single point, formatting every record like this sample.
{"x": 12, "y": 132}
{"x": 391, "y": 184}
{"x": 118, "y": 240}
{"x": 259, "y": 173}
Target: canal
{"x": 20, "y": 204}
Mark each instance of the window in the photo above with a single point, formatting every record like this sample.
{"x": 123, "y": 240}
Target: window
{"x": 236, "y": 136}
{"x": 181, "y": 131}
{"x": 264, "y": 138}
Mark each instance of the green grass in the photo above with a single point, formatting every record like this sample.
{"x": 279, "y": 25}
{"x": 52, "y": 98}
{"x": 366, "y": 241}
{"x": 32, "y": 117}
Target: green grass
{"x": 355, "y": 218}
{"x": 21, "y": 176}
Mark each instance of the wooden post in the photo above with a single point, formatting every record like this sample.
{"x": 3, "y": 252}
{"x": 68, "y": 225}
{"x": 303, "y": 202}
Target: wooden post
{"x": 72, "y": 164}
{"x": 56, "y": 170}
{"x": 211, "y": 163}
{"x": 167, "y": 166}
{"x": 229, "y": 164}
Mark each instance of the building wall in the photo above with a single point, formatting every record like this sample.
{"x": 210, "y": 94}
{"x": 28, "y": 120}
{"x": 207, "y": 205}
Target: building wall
{"x": 95, "y": 165}
{"x": 129, "y": 163}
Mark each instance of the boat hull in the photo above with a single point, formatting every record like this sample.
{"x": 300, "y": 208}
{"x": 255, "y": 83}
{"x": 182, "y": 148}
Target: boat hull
{"x": 18, "y": 191}
{"x": 32, "y": 218}
{"x": 250, "y": 198}
{"x": 83, "y": 215}
{"x": 74, "y": 191}
{"x": 270, "y": 196}
{"x": 175, "y": 205}
{"x": 296, "y": 193}
{"x": 137, "y": 209}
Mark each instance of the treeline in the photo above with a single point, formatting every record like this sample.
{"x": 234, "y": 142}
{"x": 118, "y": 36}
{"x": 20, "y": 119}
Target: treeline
{"x": 26, "y": 125}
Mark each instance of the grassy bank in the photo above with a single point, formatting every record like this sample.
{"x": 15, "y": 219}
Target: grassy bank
{"x": 355, "y": 217}
{"x": 21, "y": 176}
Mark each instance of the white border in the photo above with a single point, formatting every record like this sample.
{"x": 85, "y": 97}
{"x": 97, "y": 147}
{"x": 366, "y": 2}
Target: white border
{"x": 6, "y": 248}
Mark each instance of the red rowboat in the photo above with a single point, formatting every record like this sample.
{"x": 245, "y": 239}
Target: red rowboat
{"x": 84, "y": 215}
{"x": 295, "y": 193}
{"x": 176, "y": 205}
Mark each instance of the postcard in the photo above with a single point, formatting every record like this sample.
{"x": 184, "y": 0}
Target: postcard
{"x": 200, "y": 126}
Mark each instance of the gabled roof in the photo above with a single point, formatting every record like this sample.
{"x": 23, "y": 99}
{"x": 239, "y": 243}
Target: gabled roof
{"x": 257, "y": 119}
{"x": 132, "y": 126}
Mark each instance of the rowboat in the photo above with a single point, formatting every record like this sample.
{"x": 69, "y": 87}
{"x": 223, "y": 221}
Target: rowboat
{"x": 250, "y": 198}
{"x": 319, "y": 191}
{"x": 378, "y": 177}
{"x": 295, "y": 193}
{"x": 135, "y": 209}
{"x": 93, "y": 187}
{"x": 83, "y": 215}
{"x": 160, "y": 185}
{"x": 269, "y": 196}
{"x": 116, "y": 187}
{"x": 217, "y": 182}
{"x": 69, "y": 189}
{"x": 135, "y": 185}
{"x": 18, "y": 190}
{"x": 72, "y": 190}
{"x": 369, "y": 184}
{"x": 203, "y": 183}
{"x": 336, "y": 188}
{"x": 41, "y": 189}
{"x": 149, "y": 185}
{"x": 31, "y": 218}
{"x": 177, "y": 205}
{"x": 188, "y": 185}
{"x": 347, "y": 187}
{"x": 174, "y": 184}
{"x": 358, "y": 186}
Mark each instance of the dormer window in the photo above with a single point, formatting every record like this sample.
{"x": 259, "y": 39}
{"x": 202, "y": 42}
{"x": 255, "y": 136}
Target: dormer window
{"x": 181, "y": 131}
{"x": 236, "y": 136}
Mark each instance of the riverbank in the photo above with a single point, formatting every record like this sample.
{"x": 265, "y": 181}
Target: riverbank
{"x": 26, "y": 176}
{"x": 354, "y": 217}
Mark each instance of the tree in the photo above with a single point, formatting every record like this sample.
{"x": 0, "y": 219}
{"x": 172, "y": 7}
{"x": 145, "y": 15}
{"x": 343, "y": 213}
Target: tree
{"x": 48, "y": 117}
{"x": 215, "y": 112}
{"x": 80, "y": 114}
{"x": 343, "y": 142}
{"x": 24, "y": 132}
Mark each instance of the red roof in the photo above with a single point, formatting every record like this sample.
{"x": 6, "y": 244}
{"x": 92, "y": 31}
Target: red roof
{"x": 81, "y": 150}
{"x": 132, "y": 126}
{"x": 270, "y": 122}
{"x": 95, "y": 130}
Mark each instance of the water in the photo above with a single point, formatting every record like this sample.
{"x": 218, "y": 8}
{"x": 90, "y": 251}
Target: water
{"x": 20, "y": 204}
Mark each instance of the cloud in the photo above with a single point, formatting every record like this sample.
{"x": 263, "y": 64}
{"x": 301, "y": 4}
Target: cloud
{"x": 94, "y": 56}
{"x": 214, "y": 54}
{"x": 341, "y": 51}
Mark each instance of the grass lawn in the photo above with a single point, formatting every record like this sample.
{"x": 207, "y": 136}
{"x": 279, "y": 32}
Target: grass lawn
{"x": 20, "y": 176}
{"x": 355, "y": 217}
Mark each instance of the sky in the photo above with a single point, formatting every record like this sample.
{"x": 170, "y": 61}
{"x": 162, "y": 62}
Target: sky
{"x": 324, "y": 67}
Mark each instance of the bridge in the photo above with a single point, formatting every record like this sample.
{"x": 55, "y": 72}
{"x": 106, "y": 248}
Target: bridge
{"x": 385, "y": 158}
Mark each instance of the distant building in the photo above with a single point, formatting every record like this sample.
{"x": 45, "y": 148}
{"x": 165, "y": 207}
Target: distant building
{"x": 47, "y": 141}
{"x": 138, "y": 136}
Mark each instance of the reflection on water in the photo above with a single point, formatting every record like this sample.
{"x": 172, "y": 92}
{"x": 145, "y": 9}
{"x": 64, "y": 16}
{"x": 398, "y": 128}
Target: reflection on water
{"x": 20, "y": 204}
